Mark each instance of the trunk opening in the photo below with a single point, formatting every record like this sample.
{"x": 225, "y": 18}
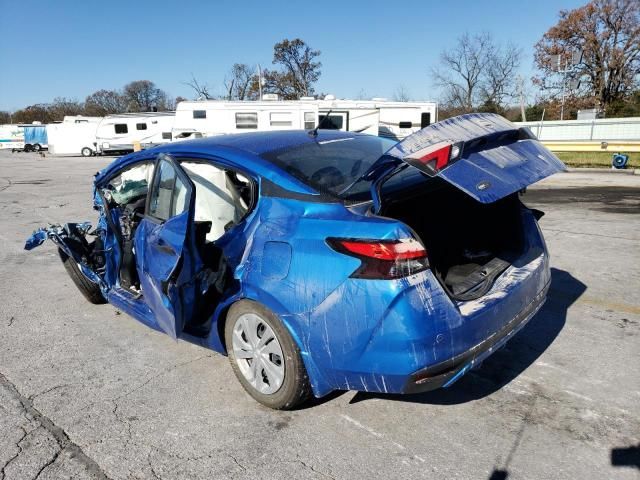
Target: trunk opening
{"x": 469, "y": 244}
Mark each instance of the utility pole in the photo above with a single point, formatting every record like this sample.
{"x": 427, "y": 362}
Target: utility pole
{"x": 260, "y": 81}
{"x": 521, "y": 88}
{"x": 564, "y": 81}
{"x": 576, "y": 58}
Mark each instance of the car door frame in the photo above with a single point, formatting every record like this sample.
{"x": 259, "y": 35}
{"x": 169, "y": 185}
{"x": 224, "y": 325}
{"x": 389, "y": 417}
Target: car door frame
{"x": 159, "y": 309}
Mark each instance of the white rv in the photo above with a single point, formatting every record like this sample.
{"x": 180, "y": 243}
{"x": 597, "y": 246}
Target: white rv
{"x": 76, "y": 135}
{"x": 119, "y": 133}
{"x": 81, "y": 119}
{"x": 394, "y": 119}
{"x": 214, "y": 117}
{"x": 11, "y": 137}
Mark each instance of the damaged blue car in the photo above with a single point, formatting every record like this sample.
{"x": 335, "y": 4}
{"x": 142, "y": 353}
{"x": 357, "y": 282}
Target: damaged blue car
{"x": 324, "y": 260}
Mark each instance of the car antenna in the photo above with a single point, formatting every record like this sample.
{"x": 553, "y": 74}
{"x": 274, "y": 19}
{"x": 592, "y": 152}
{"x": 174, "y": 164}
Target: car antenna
{"x": 314, "y": 132}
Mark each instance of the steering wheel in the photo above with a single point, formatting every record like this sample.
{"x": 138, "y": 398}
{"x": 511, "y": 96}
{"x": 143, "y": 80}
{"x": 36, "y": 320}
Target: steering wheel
{"x": 327, "y": 177}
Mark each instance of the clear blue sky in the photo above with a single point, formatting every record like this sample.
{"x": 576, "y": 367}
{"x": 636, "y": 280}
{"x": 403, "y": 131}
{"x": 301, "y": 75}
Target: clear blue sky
{"x": 72, "y": 48}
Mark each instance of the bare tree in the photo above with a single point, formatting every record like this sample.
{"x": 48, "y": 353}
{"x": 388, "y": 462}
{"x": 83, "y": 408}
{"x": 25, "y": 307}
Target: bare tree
{"x": 144, "y": 96}
{"x": 5, "y": 117}
{"x": 33, "y": 113}
{"x": 499, "y": 79}
{"x": 362, "y": 95}
{"x": 460, "y": 74}
{"x": 607, "y": 34}
{"x": 105, "y": 102}
{"x": 201, "y": 89}
{"x": 241, "y": 83}
{"x": 401, "y": 94}
{"x": 61, "y": 106}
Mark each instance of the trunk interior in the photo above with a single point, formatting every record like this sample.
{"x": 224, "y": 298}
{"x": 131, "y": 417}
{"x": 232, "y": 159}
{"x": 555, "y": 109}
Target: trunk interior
{"x": 469, "y": 243}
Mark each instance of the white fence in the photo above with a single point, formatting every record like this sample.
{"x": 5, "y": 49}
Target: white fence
{"x": 601, "y": 130}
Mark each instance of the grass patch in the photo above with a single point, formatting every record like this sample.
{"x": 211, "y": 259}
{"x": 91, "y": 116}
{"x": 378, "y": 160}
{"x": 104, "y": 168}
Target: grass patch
{"x": 595, "y": 159}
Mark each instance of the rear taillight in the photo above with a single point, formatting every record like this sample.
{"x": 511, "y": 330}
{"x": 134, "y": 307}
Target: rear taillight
{"x": 435, "y": 157}
{"x": 384, "y": 259}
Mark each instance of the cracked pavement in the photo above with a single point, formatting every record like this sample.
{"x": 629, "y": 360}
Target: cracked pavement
{"x": 87, "y": 392}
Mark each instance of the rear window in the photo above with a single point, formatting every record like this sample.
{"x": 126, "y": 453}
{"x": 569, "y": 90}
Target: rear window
{"x": 330, "y": 166}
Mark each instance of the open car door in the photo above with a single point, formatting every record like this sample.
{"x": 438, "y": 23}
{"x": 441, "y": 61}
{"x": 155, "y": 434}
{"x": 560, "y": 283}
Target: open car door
{"x": 166, "y": 259}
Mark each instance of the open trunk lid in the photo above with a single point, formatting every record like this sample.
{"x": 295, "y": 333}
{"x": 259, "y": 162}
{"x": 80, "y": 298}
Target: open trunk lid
{"x": 482, "y": 154}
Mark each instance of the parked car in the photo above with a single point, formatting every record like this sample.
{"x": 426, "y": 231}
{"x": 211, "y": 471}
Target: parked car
{"x": 324, "y": 260}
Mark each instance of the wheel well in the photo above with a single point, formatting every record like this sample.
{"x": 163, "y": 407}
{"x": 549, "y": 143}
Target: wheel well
{"x": 222, "y": 320}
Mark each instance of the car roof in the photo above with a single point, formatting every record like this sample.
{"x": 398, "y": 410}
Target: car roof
{"x": 260, "y": 143}
{"x": 243, "y": 151}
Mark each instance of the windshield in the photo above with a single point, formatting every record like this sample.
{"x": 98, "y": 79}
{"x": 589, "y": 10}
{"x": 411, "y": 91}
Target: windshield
{"x": 331, "y": 165}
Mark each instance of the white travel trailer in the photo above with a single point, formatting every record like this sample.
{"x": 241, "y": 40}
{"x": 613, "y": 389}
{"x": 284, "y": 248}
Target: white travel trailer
{"x": 73, "y": 136}
{"x": 214, "y": 117}
{"x": 395, "y": 119}
{"x": 81, "y": 119}
{"x": 119, "y": 133}
{"x": 11, "y": 137}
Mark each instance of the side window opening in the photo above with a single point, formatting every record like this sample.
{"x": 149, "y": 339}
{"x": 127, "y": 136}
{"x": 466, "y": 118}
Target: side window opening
{"x": 141, "y": 126}
{"x": 131, "y": 185}
{"x": 309, "y": 121}
{"x": 169, "y": 196}
{"x": 332, "y": 122}
{"x": 223, "y": 197}
{"x": 127, "y": 192}
{"x": 246, "y": 120}
{"x": 121, "y": 128}
{"x": 280, "y": 119}
{"x": 199, "y": 114}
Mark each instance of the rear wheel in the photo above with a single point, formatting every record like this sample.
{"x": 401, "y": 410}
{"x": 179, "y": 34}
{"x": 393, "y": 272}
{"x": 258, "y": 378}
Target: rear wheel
{"x": 264, "y": 357}
{"x": 37, "y": 147}
{"x": 86, "y": 152}
{"x": 90, "y": 290}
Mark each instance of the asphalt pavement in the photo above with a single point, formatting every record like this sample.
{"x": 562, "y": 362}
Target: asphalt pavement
{"x": 88, "y": 392}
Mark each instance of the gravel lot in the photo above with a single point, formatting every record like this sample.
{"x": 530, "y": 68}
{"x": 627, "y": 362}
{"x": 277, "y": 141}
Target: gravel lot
{"x": 87, "y": 392}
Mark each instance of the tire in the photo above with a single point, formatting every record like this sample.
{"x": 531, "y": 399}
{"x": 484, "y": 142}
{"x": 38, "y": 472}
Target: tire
{"x": 90, "y": 290}
{"x": 294, "y": 388}
{"x": 37, "y": 147}
{"x": 86, "y": 152}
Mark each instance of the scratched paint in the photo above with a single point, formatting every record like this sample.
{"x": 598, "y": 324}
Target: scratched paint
{"x": 352, "y": 333}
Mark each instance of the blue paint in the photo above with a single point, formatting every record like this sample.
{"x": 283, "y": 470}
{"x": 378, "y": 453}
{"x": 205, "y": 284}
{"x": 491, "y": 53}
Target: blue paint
{"x": 352, "y": 333}
{"x": 35, "y": 134}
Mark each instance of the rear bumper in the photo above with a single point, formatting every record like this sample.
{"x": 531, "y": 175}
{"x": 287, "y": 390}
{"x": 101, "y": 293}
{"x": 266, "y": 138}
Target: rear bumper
{"x": 445, "y": 373}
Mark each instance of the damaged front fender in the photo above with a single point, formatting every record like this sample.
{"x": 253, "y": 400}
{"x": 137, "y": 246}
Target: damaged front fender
{"x": 70, "y": 238}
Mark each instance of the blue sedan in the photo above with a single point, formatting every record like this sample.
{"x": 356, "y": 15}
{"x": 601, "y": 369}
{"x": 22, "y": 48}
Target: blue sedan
{"x": 323, "y": 260}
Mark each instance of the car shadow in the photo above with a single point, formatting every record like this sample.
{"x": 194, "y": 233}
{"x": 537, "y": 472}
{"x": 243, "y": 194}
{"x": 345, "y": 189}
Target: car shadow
{"x": 509, "y": 362}
{"x": 626, "y": 456}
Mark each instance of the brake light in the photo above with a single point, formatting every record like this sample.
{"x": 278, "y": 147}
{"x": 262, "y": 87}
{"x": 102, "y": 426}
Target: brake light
{"x": 384, "y": 259}
{"x": 435, "y": 157}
